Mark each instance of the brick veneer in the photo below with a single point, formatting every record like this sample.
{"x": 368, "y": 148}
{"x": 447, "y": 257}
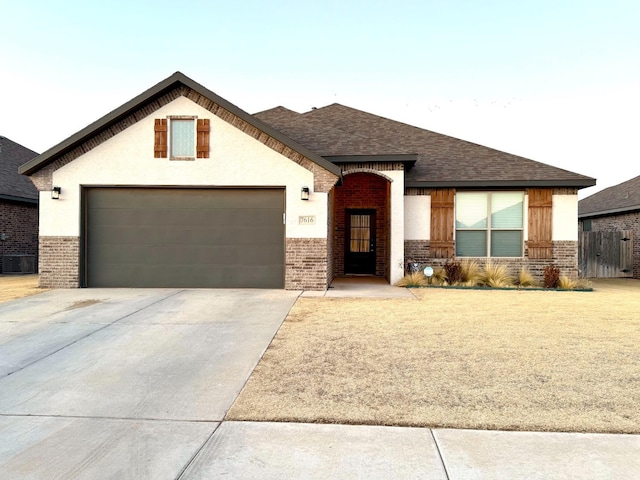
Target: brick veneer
{"x": 59, "y": 262}
{"x": 306, "y": 264}
{"x": 19, "y": 221}
{"x": 565, "y": 257}
{"x": 623, "y": 221}
{"x": 362, "y": 191}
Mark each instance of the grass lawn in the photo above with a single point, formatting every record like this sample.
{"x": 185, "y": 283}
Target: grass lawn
{"x": 18, "y": 286}
{"x": 508, "y": 360}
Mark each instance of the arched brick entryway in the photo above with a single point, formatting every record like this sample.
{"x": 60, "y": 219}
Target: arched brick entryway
{"x": 363, "y": 197}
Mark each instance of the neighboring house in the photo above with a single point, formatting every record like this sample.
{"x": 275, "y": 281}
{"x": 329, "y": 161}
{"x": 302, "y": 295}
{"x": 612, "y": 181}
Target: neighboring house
{"x": 614, "y": 209}
{"x": 18, "y": 211}
{"x": 180, "y": 188}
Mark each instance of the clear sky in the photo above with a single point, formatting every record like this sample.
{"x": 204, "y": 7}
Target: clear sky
{"x": 554, "y": 81}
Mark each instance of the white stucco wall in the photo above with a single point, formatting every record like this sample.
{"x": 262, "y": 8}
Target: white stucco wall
{"x": 565, "y": 217}
{"x": 236, "y": 159}
{"x": 417, "y": 217}
{"x": 397, "y": 225}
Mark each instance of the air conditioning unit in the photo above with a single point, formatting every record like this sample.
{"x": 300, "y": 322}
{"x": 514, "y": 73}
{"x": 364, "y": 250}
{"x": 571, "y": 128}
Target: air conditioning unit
{"x": 19, "y": 264}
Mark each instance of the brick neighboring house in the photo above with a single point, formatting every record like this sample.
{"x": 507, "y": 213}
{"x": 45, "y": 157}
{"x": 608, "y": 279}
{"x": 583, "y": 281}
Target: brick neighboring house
{"x": 180, "y": 188}
{"x": 18, "y": 209}
{"x": 614, "y": 209}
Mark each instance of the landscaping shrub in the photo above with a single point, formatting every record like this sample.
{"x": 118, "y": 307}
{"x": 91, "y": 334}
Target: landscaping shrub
{"x": 525, "y": 278}
{"x": 453, "y": 270}
{"x": 471, "y": 273}
{"x": 414, "y": 279}
{"x": 496, "y": 275}
{"x": 551, "y": 276}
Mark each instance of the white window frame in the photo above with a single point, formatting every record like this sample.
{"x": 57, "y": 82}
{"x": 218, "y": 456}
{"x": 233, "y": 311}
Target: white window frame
{"x": 489, "y": 229}
{"x": 171, "y": 119}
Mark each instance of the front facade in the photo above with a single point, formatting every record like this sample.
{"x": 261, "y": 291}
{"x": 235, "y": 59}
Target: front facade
{"x": 18, "y": 211}
{"x": 180, "y": 188}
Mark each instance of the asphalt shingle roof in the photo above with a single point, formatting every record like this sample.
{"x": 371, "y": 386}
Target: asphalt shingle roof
{"x": 442, "y": 160}
{"x": 619, "y": 198}
{"x": 13, "y": 185}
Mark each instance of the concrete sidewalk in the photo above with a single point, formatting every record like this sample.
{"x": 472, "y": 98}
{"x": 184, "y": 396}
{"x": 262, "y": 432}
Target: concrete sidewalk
{"x": 270, "y": 451}
{"x": 361, "y": 287}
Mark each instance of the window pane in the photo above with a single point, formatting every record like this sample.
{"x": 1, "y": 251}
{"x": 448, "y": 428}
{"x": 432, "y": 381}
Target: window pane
{"x": 471, "y": 243}
{"x": 183, "y": 138}
{"x": 360, "y": 233}
{"x": 506, "y": 243}
{"x": 506, "y": 210}
{"x": 471, "y": 210}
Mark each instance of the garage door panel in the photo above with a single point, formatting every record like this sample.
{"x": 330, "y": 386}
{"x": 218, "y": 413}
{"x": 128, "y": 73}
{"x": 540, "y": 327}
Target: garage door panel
{"x": 206, "y": 238}
{"x": 113, "y": 255}
{"x": 185, "y": 217}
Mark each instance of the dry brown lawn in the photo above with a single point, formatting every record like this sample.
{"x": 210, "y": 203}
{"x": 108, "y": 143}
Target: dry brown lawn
{"x": 18, "y": 286}
{"x": 508, "y": 360}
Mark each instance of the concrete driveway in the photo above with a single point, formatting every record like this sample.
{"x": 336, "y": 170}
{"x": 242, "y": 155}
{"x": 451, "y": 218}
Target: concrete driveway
{"x": 124, "y": 383}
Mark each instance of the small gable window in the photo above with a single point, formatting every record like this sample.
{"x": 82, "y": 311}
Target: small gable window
{"x": 181, "y": 137}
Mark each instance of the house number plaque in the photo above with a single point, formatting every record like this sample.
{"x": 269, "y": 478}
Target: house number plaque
{"x": 307, "y": 220}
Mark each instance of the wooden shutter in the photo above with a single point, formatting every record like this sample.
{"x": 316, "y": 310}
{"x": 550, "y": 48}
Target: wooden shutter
{"x": 202, "y": 148}
{"x": 442, "y": 221}
{"x": 540, "y": 223}
{"x": 160, "y": 143}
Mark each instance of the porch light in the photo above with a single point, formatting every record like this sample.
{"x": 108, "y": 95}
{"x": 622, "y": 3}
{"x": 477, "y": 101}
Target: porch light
{"x": 304, "y": 193}
{"x": 55, "y": 193}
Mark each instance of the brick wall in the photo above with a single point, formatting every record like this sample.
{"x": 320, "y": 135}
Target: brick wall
{"x": 362, "y": 191}
{"x": 624, "y": 221}
{"x": 19, "y": 221}
{"x": 59, "y": 262}
{"x": 565, "y": 257}
{"x": 306, "y": 264}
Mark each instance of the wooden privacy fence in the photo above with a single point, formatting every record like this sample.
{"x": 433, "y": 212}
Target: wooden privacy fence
{"x": 605, "y": 254}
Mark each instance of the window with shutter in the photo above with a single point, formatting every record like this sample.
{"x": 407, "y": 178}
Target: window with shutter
{"x": 540, "y": 223}
{"x": 182, "y": 137}
{"x": 442, "y": 227}
{"x": 489, "y": 224}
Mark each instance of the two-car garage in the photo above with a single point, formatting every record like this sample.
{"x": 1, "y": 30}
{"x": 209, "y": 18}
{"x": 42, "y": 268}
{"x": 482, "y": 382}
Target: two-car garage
{"x": 183, "y": 237}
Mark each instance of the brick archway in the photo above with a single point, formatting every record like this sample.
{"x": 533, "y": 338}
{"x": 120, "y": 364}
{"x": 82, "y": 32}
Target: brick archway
{"x": 362, "y": 191}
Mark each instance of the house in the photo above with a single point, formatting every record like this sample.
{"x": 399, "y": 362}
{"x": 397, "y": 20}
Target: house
{"x": 18, "y": 211}
{"x": 181, "y": 188}
{"x": 615, "y": 209}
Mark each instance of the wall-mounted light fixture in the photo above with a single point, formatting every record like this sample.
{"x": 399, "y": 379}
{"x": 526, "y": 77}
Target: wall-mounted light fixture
{"x": 304, "y": 193}
{"x": 55, "y": 193}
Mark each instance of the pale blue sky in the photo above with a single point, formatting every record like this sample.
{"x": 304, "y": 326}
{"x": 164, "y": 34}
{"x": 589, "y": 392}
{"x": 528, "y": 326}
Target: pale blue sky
{"x": 555, "y": 81}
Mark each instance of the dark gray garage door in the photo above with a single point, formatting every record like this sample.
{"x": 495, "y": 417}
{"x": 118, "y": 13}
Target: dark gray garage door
{"x": 191, "y": 238}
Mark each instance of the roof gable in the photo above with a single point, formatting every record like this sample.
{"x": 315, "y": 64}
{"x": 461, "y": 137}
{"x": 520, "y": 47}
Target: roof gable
{"x": 146, "y": 103}
{"x": 617, "y": 199}
{"x": 14, "y": 186}
{"x": 441, "y": 160}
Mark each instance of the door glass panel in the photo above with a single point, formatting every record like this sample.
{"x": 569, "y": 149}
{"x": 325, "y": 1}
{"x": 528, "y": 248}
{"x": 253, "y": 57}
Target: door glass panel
{"x": 360, "y": 234}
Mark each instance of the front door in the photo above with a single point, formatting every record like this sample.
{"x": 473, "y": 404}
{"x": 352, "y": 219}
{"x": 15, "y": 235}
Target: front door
{"x": 360, "y": 242}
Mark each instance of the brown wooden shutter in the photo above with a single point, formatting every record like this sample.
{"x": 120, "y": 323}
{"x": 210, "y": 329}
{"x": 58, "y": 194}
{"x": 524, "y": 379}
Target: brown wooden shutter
{"x": 442, "y": 221}
{"x": 540, "y": 223}
{"x": 202, "y": 148}
{"x": 160, "y": 144}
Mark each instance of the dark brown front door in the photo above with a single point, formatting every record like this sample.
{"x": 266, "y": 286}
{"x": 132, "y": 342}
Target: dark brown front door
{"x": 360, "y": 254}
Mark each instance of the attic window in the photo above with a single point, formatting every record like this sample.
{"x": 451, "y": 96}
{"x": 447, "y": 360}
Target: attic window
{"x": 182, "y": 137}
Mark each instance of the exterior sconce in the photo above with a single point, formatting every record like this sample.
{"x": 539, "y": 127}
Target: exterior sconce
{"x": 55, "y": 193}
{"x": 304, "y": 193}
